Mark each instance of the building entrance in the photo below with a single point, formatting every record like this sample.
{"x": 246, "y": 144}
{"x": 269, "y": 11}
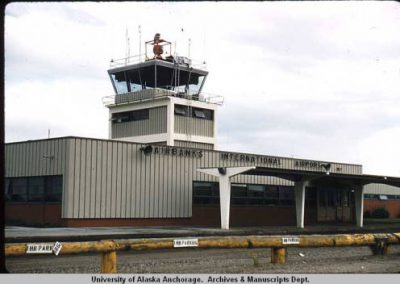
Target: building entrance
{"x": 335, "y": 205}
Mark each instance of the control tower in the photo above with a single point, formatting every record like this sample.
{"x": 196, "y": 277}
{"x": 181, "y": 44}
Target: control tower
{"x": 158, "y": 99}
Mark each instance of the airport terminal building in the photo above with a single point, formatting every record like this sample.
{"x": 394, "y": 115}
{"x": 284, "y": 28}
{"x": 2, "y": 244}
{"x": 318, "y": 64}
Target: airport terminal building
{"x": 160, "y": 167}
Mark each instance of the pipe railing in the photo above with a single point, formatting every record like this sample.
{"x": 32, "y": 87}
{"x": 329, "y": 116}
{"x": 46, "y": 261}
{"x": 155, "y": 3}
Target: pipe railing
{"x": 278, "y": 244}
{"x": 151, "y": 94}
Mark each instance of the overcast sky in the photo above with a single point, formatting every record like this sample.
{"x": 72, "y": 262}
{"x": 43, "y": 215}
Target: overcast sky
{"x": 314, "y": 80}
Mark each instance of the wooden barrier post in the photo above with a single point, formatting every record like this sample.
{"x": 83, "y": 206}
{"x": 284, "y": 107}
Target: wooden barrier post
{"x": 381, "y": 246}
{"x": 278, "y": 255}
{"x": 109, "y": 262}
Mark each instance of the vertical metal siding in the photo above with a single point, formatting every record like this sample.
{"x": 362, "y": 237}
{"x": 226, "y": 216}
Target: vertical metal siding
{"x": 114, "y": 172}
{"x": 88, "y": 176}
{"x": 109, "y": 146}
{"x": 39, "y": 158}
{"x": 197, "y": 145}
{"x": 98, "y": 188}
{"x": 118, "y": 179}
{"x": 93, "y": 178}
{"x": 114, "y": 179}
{"x": 82, "y": 178}
{"x": 157, "y": 123}
{"x": 128, "y": 180}
{"x": 376, "y": 188}
{"x": 137, "y": 182}
{"x": 194, "y": 126}
{"x": 67, "y": 195}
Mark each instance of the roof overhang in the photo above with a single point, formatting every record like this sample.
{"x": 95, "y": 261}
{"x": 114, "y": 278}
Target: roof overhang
{"x": 322, "y": 177}
{"x": 157, "y": 62}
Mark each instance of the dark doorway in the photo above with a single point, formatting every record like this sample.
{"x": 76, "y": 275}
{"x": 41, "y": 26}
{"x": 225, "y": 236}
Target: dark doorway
{"x": 335, "y": 205}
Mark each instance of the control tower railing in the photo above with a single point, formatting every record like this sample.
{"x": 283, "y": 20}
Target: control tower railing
{"x": 150, "y": 94}
{"x": 136, "y": 59}
{"x": 114, "y": 63}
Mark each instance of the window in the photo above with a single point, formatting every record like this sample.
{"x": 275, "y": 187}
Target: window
{"x": 203, "y": 113}
{"x": 7, "y": 190}
{"x": 255, "y": 194}
{"x": 383, "y": 197}
{"x": 34, "y": 189}
{"x": 371, "y": 196}
{"x": 205, "y": 193}
{"x": 239, "y": 194}
{"x": 18, "y": 189}
{"x": 127, "y": 116}
{"x": 244, "y": 194}
{"x": 286, "y": 196}
{"x": 119, "y": 81}
{"x": 271, "y": 195}
{"x": 195, "y": 84}
{"x": 194, "y": 112}
{"x": 199, "y": 114}
{"x": 54, "y": 189}
{"x": 181, "y": 110}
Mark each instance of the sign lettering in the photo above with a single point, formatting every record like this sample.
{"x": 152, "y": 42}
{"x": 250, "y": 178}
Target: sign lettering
{"x": 236, "y": 157}
{"x": 186, "y": 243}
{"x": 44, "y": 248}
{"x": 290, "y": 240}
{"x": 168, "y": 150}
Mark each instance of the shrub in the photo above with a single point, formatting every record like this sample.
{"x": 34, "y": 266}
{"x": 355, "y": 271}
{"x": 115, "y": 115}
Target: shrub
{"x": 380, "y": 213}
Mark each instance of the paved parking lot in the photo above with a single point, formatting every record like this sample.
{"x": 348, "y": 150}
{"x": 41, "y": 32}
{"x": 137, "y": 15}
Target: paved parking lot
{"x": 310, "y": 260}
{"x": 31, "y": 234}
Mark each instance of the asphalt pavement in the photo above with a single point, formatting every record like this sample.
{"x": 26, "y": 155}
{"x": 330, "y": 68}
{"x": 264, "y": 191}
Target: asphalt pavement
{"x": 16, "y": 234}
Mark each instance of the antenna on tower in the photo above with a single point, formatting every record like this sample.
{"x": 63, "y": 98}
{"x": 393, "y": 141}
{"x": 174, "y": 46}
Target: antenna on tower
{"x": 127, "y": 49}
{"x": 140, "y": 43}
{"x": 204, "y": 46}
{"x": 189, "y": 43}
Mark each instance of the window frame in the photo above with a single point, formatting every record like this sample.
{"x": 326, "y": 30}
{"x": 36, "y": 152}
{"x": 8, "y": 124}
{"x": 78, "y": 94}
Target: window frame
{"x": 194, "y": 112}
{"x": 46, "y": 183}
{"x": 245, "y": 198}
{"x": 129, "y": 116}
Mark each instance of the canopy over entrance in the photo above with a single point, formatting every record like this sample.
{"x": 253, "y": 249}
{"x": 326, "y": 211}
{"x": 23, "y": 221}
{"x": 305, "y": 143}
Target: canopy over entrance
{"x": 301, "y": 180}
{"x": 299, "y": 175}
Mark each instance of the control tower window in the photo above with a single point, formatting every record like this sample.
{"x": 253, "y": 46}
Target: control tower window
{"x": 119, "y": 82}
{"x": 194, "y": 88}
{"x": 195, "y": 112}
{"x": 181, "y": 110}
{"x": 199, "y": 114}
{"x": 179, "y": 78}
{"x": 134, "y": 80}
{"x": 127, "y": 116}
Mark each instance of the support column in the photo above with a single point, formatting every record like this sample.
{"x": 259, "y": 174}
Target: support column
{"x": 170, "y": 123}
{"x": 109, "y": 262}
{"x": 300, "y": 196}
{"x": 278, "y": 255}
{"x": 224, "y": 175}
{"x": 359, "y": 200}
{"x": 225, "y": 200}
